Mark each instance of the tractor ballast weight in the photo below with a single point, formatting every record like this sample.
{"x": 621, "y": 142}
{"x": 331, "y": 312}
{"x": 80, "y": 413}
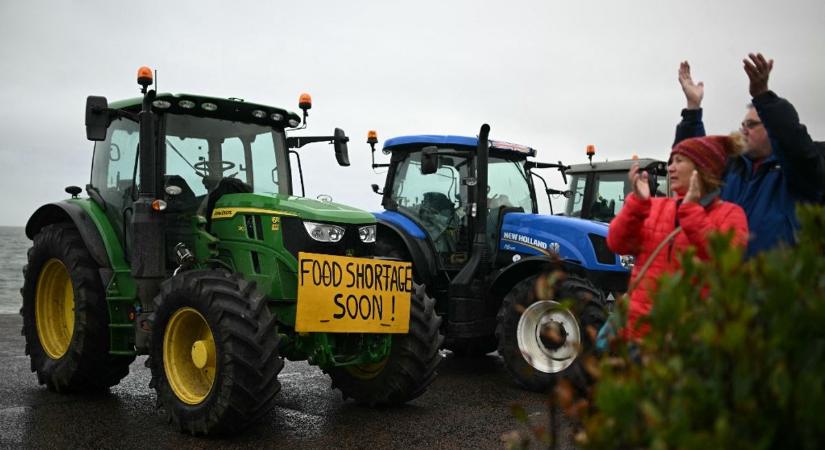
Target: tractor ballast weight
{"x": 192, "y": 248}
{"x": 464, "y": 211}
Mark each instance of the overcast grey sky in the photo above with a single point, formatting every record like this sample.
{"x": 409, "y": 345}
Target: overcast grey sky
{"x": 550, "y": 74}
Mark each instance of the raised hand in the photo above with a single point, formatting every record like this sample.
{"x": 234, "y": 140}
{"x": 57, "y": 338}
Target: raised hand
{"x": 694, "y": 192}
{"x": 640, "y": 182}
{"x": 758, "y": 70}
{"x": 693, "y": 91}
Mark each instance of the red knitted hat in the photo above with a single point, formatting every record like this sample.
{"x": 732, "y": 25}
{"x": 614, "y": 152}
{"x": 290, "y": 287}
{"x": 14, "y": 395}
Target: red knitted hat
{"x": 708, "y": 153}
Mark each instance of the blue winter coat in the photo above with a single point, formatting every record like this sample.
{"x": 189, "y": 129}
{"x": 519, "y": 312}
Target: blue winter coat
{"x": 794, "y": 173}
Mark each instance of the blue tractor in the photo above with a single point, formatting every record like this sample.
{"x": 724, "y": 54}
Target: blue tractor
{"x": 464, "y": 211}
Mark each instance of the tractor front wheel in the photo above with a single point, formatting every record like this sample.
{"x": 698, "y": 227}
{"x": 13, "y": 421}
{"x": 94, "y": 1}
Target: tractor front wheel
{"x": 541, "y": 336}
{"x": 65, "y": 318}
{"x": 409, "y": 368}
{"x": 214, "y": 355}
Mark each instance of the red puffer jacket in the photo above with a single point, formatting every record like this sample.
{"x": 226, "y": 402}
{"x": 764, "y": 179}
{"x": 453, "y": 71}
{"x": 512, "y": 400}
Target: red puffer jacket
{"x": 642, "y": 224}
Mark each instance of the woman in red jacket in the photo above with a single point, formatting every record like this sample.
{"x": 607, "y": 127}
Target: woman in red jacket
{"x": 695, "y": 171}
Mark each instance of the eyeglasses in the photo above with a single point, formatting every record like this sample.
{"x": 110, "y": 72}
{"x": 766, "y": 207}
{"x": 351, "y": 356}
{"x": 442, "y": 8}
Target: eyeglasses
{"x": 750, "y": 124}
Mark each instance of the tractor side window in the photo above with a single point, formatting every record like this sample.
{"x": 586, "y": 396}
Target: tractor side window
{"x": 265, "y": 167}
{"x": 574, "y": 205}
{"x": 113, "y": 167}
{"x": 508, "y": 185}
{"x": 611, "y": 190}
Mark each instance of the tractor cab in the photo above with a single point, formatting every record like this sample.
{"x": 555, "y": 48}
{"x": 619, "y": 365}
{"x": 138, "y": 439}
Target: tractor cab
{"x": 206, "y": 148}
{"x": 598, "y": 190}
{"x": 430, "y": 182}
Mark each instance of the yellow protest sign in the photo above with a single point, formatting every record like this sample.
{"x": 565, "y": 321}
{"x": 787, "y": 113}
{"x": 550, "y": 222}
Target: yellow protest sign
{"x": 341, "y": 294}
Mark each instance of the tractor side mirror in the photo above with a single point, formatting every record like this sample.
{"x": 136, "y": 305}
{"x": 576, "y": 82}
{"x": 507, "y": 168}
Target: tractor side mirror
{"x": 339, "y": 143}
{"x": 376, "y": 189}
{"x": 97, "y": 118}
{"x": 429, "y": 160}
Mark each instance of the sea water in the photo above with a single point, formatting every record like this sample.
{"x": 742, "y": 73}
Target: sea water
{"x": 13, "y": 247}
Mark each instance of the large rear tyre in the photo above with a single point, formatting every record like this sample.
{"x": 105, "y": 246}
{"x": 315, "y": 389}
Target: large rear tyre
{"x": 65, "y": 318}
{"x": 410, "y": 367}
{"x": 540, "y": 339}
{"x": 214, "y": 352}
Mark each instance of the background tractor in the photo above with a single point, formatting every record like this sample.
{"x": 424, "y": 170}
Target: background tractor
{"x": 464, "y": 211}
{"x": 597, "y": 190}
{"x": 191, "y": 248}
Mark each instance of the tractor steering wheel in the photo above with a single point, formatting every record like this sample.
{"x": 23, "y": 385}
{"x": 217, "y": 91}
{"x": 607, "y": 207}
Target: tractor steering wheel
{"x": 202, "y": 167}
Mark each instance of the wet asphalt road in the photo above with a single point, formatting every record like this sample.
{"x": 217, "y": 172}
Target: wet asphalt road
{"x": 468, "y": 406}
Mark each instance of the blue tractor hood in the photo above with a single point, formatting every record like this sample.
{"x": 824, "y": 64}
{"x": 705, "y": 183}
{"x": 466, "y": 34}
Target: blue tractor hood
{"x": 576, "y": 240}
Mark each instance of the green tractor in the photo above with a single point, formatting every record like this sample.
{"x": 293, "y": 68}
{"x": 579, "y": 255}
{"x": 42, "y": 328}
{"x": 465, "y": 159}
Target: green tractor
{"x": 191, "y": 248}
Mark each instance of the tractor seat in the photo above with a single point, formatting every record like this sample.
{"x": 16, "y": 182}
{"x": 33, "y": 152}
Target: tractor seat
{"x": 183, "y": 202}
{"x": 225, "y": 186}
{"x": 437, "y": 202}
{"x": 437, "y": 214}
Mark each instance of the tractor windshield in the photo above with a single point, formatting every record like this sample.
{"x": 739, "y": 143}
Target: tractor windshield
{"x": 201, "y": 151}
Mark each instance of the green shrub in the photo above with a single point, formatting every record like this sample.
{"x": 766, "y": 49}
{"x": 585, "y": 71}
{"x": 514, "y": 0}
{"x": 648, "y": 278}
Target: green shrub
{"x": 738, "y": 365}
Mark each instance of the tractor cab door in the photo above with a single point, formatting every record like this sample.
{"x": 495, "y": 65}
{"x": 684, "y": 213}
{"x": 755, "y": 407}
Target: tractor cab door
{"x": 115, "y": 170}
{"x": 508, "y": 189}
{"x": 578, "y": 189}
{"x": 437, "y": 202}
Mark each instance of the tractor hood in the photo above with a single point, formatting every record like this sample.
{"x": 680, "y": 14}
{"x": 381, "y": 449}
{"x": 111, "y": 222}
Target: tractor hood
{"x": 577, "y": 240}
{"x": 284, "y": 205}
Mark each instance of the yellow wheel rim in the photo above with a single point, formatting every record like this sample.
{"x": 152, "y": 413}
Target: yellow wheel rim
{"x": 54, "y": 308}
{"x": 189, "y": 356}
{"x": 367, "y": 371}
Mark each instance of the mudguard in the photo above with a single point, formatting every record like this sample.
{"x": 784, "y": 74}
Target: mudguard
{"x": 414, "y": 240}
{"x": 71, "y": 211}
{"x": 507, "y": 277}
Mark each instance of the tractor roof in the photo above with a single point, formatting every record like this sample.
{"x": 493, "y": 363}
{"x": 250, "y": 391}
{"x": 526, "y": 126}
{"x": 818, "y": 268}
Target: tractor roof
{"x": 613, "y": 166}
{"x": 457, "y": 142}
{"x": 231, "y": 108}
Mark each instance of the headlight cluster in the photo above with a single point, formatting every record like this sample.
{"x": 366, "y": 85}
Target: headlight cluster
{"x": 324, "y": 232}
{"x": 367, "y": 234}
{"x": 627, "y": 261}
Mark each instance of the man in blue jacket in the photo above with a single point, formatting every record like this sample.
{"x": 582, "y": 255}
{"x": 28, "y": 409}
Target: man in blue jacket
{"x": 781, "y": 165}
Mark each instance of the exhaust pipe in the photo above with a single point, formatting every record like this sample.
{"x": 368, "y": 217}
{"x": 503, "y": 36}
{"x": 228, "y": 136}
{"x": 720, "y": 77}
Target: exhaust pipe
{"x": 466, "y": 293}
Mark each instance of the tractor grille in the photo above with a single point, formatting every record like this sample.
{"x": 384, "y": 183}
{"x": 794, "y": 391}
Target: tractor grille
{"x": 603, "y": 253}
{"x": 296, "y": 239}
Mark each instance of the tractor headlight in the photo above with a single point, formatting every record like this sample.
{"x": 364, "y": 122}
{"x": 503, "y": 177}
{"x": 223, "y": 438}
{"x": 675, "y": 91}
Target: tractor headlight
{"x": 324, "y": 232}
{"x": 367, "y": 234}
{"x": 627, "y": 261}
